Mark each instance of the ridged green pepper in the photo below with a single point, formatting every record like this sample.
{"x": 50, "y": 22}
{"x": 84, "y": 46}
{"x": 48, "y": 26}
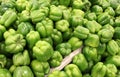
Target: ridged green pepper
{"x": 56, "y": 37}
{"x": 8, "y": 18}
{"x": 110, "y": 11}
{"x": 62, "y": 25}
{"x": 68, "y": 34}
{"x": 32, "y": 37}
{"x": 108, "y": 26}
{"x": 15, "y": 43}
{"x": 105, "y": 35}
{"x": 57, "y": 73}
{"x": 98, "y": 70}
{"x": 117, "y": 33}
{"x": 92, "y": 40}
{"x": 112, "y": 47}
{"x": 81, "y": 62}
{"x": 117, "y": 21}
{"x": 101, "y": 48}
{"x": 39, "y": 14}
{"x": 90, "y": 53}
{"x": 114, "y": 3}
{"x": 5, "y": 73}
{"x": 24, "y": 28}
{"x": 45, "y": 27}
{"x": 56, "y": 59}
{"x": 81, "y": 32}
{"x": 49, "y": 40}
{"x": 104, "y": 18}
{"x": 55, "y": 13}
{"x": 111, "y": 70}
{"x": 117, "y": 10}
{"x": 3, "y": 61}
{"x": 64, "y": 48}
{"x": 91, "y": 16}
{"x": 40, "y": 68}
{"x": 97, "y": 9}
{"x": 2, "y": 30}
{"x": 21, "y": 58}
{"x": 72, "y": 71}
{"x": 65, "y": 3}
{"x": 75, "y": 43}
{"x": 23, "y": 71}
{"x": 41, "y": 50}
{"x": 113, "y": 60}
{"x": 77, "y": 4}
{"x": 9, "y": 33}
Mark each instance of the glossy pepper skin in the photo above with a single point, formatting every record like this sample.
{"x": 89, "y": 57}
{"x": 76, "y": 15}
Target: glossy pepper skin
{"x": 75, "y": 43}
{"x": 56, "y": 59}
{"x": 45, "y": 27}
{"x": 24, "y": 28}
{"x": 3, "y": 61}
{"x": 81, "y": 32}
{"x": 117, "y": 33}
{"x": 21, "y": 58}
{"x": 8, "y": 18}
{"x": 98, "y": 70}
{"x": 41, "y": 50}
{"x": 23, "y": 71}
{"x": 55, "y": 13}
{"x": 101, "y": 48}
{"x": 62, "y": 25}
{"x": 68, "y": 34}
{"x": 92, "y": 40}
{"x": 49, "y": 40}
{"x": 81, "y": 62}
{"x": 105, "y": 35}
{"x": 112, "y": 47}
{"x": 15, "y": 43}
{"x": 117, "y": 21}
{"x": 9, "y": 33}
{"x": 58, "y": 74}
{"x": 64, "y": 48}
{"x": 40, "y": 68}
{"x": 110, "y": 27}
{"x": 77, "y": 4}
{"x": 2, "y": 30}
{"x": 91, "y": 16}
{"x": 97, "y": 9}
{"x": 4, "y": 73}
{"x": 110, "y": 11}
{"x": 117, "y": 10}
{"x": 72, "y": 71}
{"x": 65, "y": 3}
{"x": 32, "y": 37}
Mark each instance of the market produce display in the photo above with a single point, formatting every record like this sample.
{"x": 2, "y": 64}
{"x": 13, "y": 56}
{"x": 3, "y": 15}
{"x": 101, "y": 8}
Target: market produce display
{"x": 36, "y": 35}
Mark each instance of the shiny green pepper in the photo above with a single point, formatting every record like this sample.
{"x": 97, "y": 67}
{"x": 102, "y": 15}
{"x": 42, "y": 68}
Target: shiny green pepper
{"x": 2, "y": 30}
{"x": 112, "y": 47}
{"x": 101, "y": 48}
{"x": 117, "y": 33}
{"x": 97, "y": 9}
{"x": 49, "y": 40}
{"x": 117, "y": 10}
{"x": 77, "y": 4}
{"x": 110, "y": 27}
{"x": 9, "y": 33}
{"x": 65, "y": 3}
{"x": 75, "y": 43}
{"x": 5, "y": 73}
{"x": 92, "y": 40}
{"x": 81, "y": 62}
{"x": 117, "y": 21}
{"x": 41, "y": 50}
{"x": 32, "y": 37}
{"x": 64, "y": 48}
{"x": 45, "y": 27}
{"x": 81, "y": 32}
{"x": 23, "y": 71}
{"x": 91, "y": 16}
{"x": 68, "y": 34}
{"x": 40, "y": 68}
{"x": 15, "y": 43}
{"x": 56, "y": 59}
{"x": 21, "y": 58}
{"x": 72, "y": 71}
{"x": 110, "y": 11}
{"x": 98, "y": 70}
{"x": 3, "y": 61}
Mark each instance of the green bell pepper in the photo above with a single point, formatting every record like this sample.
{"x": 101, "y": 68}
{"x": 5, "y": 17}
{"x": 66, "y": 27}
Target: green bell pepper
{"x": 114, "y": 3}
{"x": 23, "y": 71}
{"x": 81, "y": 32}
{"x": 81, "y": 62}
{"x": 110, "y": 11}
{"x": 55, "y": 13}
{"x": 77, "y": 4}
{"x": 15, "y": 43}
{"x": 9, "y": 33}
{"x": 101, "y": 48}
{"x": 5, "y": 73}
{"x": 65, "y": 3}
{"x": 32, "y": 37}
{"x": 41, "y": 50}
{"x": 91, "y": 16}
{"x": 40, "y": 68}
{"x": 113, "y": 60}
{"x": 75, "y": 43}
{"x": 68, "y": 34}
{"x": 57, "y": 73}
{"x": 111, "y": 70}
{"x": 117, "y": 10}
{"x": 117, "y": 33}
{"x": 56, "y": 37}
{"x": 21, "y": 58}
{"x": 24, "y": 28}
{"x": 45, "y": 27}
{"x": 105, "y": 4}
{"x": 56, "y": 59}
{"x": 105, "y": 35}
{"x": 92, "y": 40}
{"x": 8, "y": 18}
{"x": 62, "y": 25}
{"x": 97, "y": 9}
{"x": 3, "y": 61}
{"x": 64, "y": 48}
{"x": 112, "y": 47}
{"x": 2, "y": 30}
{"x": 72, "y": 71}
{"x": 98, "y": 70}
{"x": 108, "y": 26}
{"x": 49, "y": 40}
{"x": 117, "y": 21}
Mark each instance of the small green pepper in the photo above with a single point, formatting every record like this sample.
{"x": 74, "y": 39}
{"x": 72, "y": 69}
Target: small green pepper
{"x": 5, "y": 73}
{"x": 77, "y": 4}
{"x": 2, "y": 30}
